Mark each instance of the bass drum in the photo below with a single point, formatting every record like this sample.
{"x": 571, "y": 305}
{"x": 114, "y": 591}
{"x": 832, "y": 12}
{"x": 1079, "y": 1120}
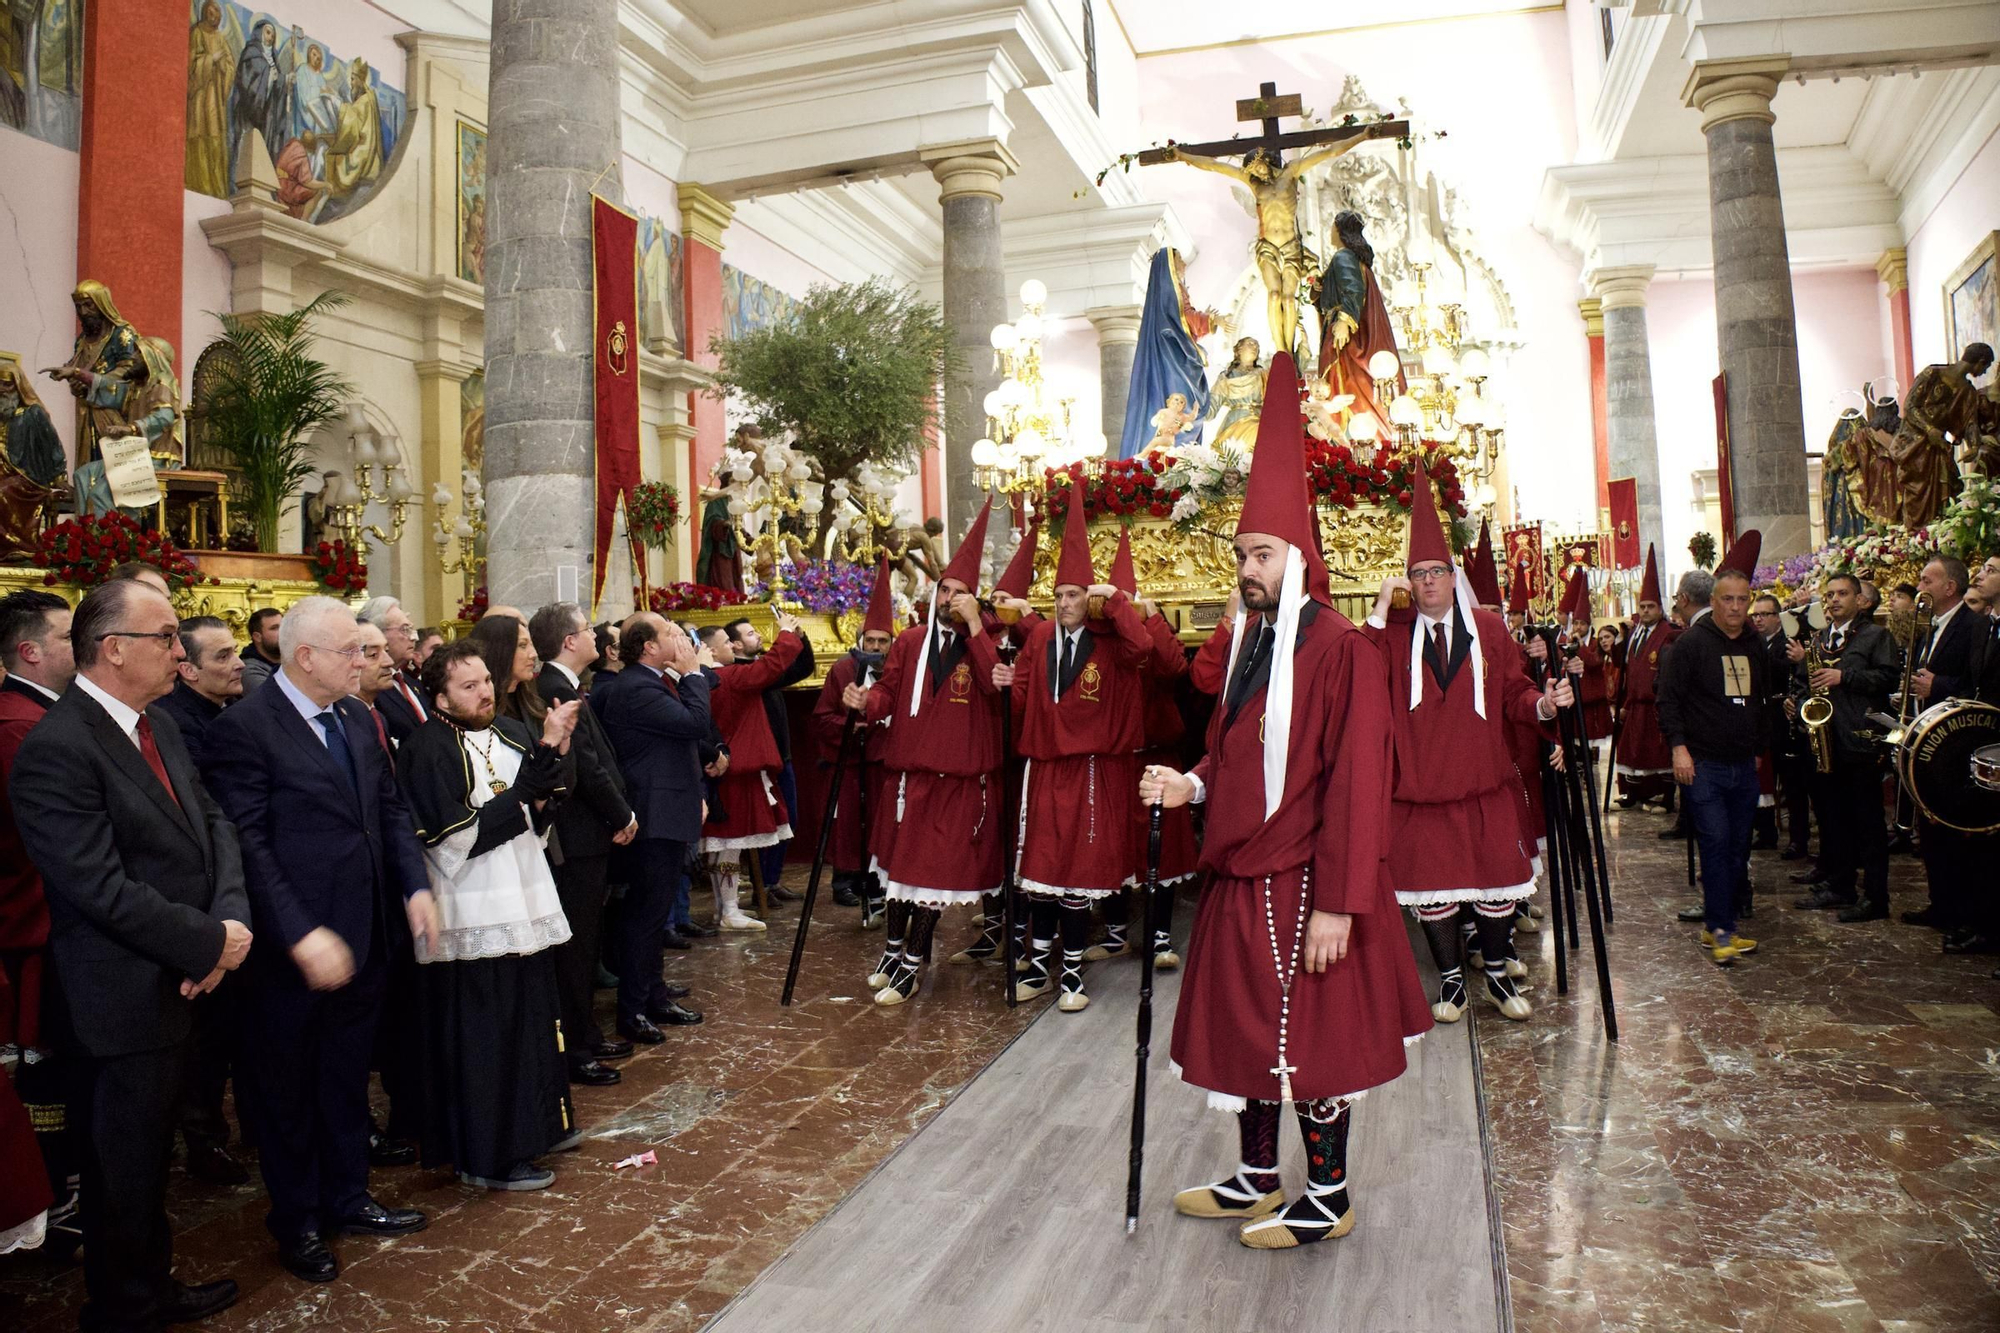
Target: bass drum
{"x": 1935, "y": 762}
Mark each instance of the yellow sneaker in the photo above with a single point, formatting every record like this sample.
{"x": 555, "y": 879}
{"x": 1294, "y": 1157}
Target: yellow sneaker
{"x": 1741, "y": 943}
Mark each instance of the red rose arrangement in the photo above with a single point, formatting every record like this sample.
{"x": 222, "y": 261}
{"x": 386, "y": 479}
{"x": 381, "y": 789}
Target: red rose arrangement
{"x": 692, "y": 597}
{"x": 1120, "y": 488}
{"x": 84, "y": 551}
{"x": 653, "y": 511}
{"x": 339, "y": 568}
{"x": 474, "y": 606}
{"x": 1129, "y": 488}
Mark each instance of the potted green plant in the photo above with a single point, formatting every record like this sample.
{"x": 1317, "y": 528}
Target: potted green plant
{"x": 270, "y": 395}
{"x": 853, "y": 375}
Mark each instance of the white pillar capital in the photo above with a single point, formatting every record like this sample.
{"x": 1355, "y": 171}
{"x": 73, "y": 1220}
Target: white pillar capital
{"x": 1725, "y": 90}
{"x": 1621, "y": 288}
{"x": 974, "y": 166}
{"x": 1115, "y": 323}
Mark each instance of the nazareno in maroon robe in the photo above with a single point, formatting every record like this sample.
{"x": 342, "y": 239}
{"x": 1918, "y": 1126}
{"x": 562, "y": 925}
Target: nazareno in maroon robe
{"x": 1179, "y": 850}
{"x": 1642, "y": 747}
{"x": 844, "y": 848}
{"x": 751, "y": 811}
{"x": 1324, "y": 848}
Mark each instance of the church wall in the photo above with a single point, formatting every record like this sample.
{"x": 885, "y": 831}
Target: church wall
{"x": 1840, "y": 319}
{"x": 38, "y": 193}
{"x": 1967, "y": 213}
{"x": 204, "y": 284}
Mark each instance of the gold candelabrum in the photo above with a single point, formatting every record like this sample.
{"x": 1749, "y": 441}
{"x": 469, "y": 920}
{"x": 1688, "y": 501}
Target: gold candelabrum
{"x": 1446, "y": 412}
{"x": 1028, "y": 426}
{"x": 787, "y": 489}
{"x": 468, "y": 529}
{"x": 347, "y": 501}
{"x": 861, "y": 535}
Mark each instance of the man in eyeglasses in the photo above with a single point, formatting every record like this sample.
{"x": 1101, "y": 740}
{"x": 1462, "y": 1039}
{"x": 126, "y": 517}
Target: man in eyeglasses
{"x": 329, "y": 850}
{"x": 146, "y": 911}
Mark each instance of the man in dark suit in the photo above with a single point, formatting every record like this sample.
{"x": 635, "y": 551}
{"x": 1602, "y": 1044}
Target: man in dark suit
{"x": 401, "y": 703}
{"x": 328, "y": 846}
{"x": 147, "y": 911}
{"x": 1946, "y": 661}
{"x": 656, "y": 713}
{"x": 596, "y": 818}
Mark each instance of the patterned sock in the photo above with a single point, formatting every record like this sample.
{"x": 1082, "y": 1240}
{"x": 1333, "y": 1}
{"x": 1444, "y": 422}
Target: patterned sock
{"x": 894, "y": 932}
{"x": 1038, "y": 963}
{"x": 988, "y": 943}
{"x": 1257, "y": 1135}
{"x": 1323, "y": 1125}
{"x": 1496, "y": 945}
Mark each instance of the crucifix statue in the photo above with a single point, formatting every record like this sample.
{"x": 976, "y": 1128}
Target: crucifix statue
{"x": 1273, "y": 183}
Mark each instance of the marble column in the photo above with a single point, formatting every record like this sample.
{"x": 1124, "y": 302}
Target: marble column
{"x": 1756, "y": 327}
{"x": 1117, "y": 344}
{"x": 1631, "y": 437}
{"x": 1894, "y": 270}
{"x": 553, "y": 129}
{"x": 975, "y": 299}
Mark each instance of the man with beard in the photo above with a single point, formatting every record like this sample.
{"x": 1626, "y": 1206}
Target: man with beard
{"x": 940, "y": 841}
{"x": 260, "y": 655}
{"x": 853, "y": 885}
{"x": 1299, "y": 983}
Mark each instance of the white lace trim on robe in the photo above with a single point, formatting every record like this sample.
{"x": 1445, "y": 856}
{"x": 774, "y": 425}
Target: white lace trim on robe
{"x": 502, "y": 901}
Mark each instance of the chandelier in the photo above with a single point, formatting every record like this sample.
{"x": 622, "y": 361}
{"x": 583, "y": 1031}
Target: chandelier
{"x": 1446, "y": 412}
{"x": 1028, "y": 426}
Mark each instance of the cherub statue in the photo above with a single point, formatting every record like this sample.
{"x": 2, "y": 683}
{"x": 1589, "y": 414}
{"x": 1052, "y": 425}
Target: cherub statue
{"x": 1169, "y": 422}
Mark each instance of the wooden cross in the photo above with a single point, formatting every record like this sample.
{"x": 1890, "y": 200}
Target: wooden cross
{"x": 1269, "y": 107}
{"x": 1284, "y": 1073}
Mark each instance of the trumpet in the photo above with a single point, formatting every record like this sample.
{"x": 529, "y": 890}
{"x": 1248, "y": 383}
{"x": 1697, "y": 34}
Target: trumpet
{"x": 1920, "y": 628}
{"x": 1816, "y": 713}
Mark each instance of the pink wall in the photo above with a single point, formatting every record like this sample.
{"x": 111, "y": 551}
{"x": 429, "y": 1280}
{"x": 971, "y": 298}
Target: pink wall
{"x": 1495, "y": 162}
{"x": 38, "y": 264}
{"x": 1941, "y": 242}
{"x": 1840, "y": 319}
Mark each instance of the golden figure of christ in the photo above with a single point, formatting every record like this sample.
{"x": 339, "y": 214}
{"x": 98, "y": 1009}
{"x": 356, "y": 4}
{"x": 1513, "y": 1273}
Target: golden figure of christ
{"x": 1282, "y": 261}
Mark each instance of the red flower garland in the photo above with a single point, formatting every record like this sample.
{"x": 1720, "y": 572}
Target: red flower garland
{"x": 693, "y": 597}
{"x": 340, "y": 569}
{"x": 1129, "y": 488}
{"x": 84, "y": 551}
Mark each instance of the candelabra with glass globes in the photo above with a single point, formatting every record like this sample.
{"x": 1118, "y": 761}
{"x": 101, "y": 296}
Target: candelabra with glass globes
{"x": 872, "y": 496}
{"x": 1029, "y": 427}
{"x": 467, "y": 529}
{"x": 771, "y": 486}
{"x": 347, "y": 501}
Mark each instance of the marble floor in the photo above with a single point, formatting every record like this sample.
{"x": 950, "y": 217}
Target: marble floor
{"x": 1808, "y": 1141}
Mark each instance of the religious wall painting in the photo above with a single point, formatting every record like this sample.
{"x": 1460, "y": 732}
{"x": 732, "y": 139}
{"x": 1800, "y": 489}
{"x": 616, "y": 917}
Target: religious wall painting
{"x": 1972, "y": 299}
{"x": 472, "y": 422}
{"x": 750, "y": 304}
{"x": 471, "y": 202}
{"x": 41, "y": 69}
{"x": 331, "y": 125}
{"x": 662, "y": 312}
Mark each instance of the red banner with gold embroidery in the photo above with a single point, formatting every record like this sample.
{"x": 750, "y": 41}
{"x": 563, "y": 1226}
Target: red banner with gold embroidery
{"x": 1623, "y": 499}
{"x": 614, "y": 251}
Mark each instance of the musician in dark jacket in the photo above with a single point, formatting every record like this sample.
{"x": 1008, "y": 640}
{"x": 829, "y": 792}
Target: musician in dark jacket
{"x": 147, "y": 910}
{"x": 596, "y": 818}
{"x": 1859, "y": 672}
{"x": 655, "y": 712}
{"x": 1943, "y": 669}
{"x": 328, "y": 849}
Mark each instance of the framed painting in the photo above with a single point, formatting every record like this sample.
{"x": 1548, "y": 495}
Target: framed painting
{"x": 471, "y": 202}
{"x": 1972, "y": 299}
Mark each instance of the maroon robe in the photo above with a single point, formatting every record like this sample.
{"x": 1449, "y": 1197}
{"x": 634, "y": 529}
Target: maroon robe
{"x": 1459, "y": 828}
{"x": 1642, "y": 747}
{"x": 24, "y": 911}
{"x": 1081, "y": 781}
{"x": 752, "y": 813}
{"x": 1324, "y": 849}
{"x": 940, "y": 839}
{"x": 845, "y": 848}
{"x": 1179, "y": 851}
{"x": 1594, "y": 690}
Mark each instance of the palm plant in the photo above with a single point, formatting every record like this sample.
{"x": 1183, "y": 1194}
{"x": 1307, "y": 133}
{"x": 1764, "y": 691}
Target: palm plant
{"x": 271, "y": 394}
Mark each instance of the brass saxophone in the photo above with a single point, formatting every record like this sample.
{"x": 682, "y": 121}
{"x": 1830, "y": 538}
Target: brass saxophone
{"x": 1816, "y": 713}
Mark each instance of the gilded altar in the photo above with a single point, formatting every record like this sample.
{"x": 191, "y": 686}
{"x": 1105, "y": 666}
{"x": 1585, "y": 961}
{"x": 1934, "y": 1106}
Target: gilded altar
{"x": 229, "y": 599}
{"x": 1191, "y": 572}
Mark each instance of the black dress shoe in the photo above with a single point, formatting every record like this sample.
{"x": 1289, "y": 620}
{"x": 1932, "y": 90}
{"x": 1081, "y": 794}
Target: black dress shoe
{"x": 307, "y": 1258}
{"x": 675, "y": 1015}
{"x": 1808, "y": 876}
{"x": 1792, "y": 854}
{"x": 845, "y": 897}
{"x": 385, "y": 1151}
{"x": 1695, "y": 913}
{"x": 612, "y": 1048}
{"x": 1823, "y": 899}
{"x": 694, "y": 930}
{"x": 642, "y": 1031}
{"x": 190, "y": 1304}
{"x": 377, "y": 1220}
{"x": 594, "y": 1075}
{"x": 1927, "y": 916}
{"x": 674, "y": 992}
{"x": 1971, "y": 941}
{"x": 778, "y": 895}
{"x": 1673, "y": 831}
{"x": 211, "y": 1164}
{"x": 1864, "y": 911}
{"x": 673, "y": 939}
{"x": 1900, "y": 843}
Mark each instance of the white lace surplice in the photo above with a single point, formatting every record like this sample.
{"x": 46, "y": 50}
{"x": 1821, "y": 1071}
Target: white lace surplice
{"x": 502, "y": 901}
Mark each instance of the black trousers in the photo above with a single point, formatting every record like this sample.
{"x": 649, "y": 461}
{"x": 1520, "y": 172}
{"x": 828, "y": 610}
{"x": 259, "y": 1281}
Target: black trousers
{"x": 1959, "y": 866}
{"x": 202, "y": 1122}
{"x": 304, "y": 1079}
{"x": 122, "y": 1111}
{"x": 649, "y": 905}
{"x": 580, "y": 886}
{"x": 1853, "y": 839}
{"x": 1795, "y": 785}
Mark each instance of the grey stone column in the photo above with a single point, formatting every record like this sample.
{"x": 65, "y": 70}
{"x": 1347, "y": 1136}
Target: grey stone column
{"x": 1756, "y": 327}
{"x": 1117, "y": 344}
{"x": 975, "y": 299}
{"x": 1630, "y": 427}
{"x": 553, "y": 122}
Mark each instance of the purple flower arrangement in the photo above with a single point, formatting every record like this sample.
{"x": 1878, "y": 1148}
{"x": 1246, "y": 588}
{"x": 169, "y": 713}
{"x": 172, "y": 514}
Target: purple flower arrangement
{"x": 827, "y": 586}
{"x": 1792, "y": 571}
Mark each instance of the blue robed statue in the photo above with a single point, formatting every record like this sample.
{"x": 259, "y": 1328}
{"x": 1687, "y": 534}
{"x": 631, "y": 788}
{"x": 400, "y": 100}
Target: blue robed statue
{"x": 1167, "y": 363}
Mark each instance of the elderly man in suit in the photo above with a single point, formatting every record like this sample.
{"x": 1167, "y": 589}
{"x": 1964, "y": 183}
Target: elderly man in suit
{"x": 328, "y": 845}
{"x": 656, "y": 713}
{"x": 147, "y": 911}
{"x": 401, "y": 702}
{"x": 588, "y": 826}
